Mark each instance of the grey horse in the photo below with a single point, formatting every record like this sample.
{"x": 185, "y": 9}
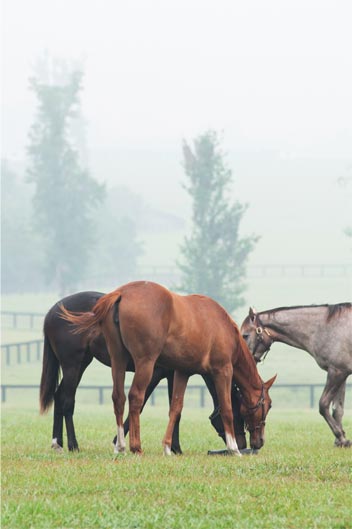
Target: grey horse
{"x": 325, "y": 332}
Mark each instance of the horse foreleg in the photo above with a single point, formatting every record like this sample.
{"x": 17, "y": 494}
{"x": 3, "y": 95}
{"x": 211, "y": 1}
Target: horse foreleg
{"x": 179, "y": 388}
{"x": 223, "y": 383}
{"x": 335, "y": 380}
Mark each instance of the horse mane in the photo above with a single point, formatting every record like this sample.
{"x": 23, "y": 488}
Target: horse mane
{"x": 333, "y": 311}
{"x": 336, "y": 310}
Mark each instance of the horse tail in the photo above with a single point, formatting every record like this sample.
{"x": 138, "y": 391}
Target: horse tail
{"x": 50, "y": 376}
{"x": 89, "y": 322}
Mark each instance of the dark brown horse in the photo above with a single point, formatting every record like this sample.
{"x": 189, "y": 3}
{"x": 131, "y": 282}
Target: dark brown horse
{"x": 189, "y": 334}
{"x": 72, "y": 354}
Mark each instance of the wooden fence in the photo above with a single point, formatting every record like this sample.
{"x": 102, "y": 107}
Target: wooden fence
{"x": 18, "y": 353}
{"x": 280, "y": 393}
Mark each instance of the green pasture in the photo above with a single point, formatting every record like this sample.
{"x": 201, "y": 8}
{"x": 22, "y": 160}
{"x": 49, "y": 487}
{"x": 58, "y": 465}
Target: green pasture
{"x": 297, "y": 480}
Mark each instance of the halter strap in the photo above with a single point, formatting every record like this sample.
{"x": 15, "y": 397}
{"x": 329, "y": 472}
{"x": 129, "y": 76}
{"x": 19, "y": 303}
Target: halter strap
{"x": 253, "y": 409}
{"x": 260, "y": 330}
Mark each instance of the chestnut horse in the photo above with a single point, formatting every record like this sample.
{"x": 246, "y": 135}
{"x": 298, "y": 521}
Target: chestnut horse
{"x": 189, "y": 334}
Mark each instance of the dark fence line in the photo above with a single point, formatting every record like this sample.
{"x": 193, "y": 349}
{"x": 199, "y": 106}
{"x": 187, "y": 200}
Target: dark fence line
{"x": 21, "y": 320}
{"x": 22, "y": 352}
{"x": 202, "y": 391}
{"x": 170, "y": 274}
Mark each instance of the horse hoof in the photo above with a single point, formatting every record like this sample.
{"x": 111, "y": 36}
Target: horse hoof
{"x": 55, "y": 446}
{"x": 249, "y": 451}
{"x": 121, "y": 450}
{"x": 177, "y": 451}
{"x": 224, "y": 452}
{"x": 343, "y": 444}
{"x": 167, "y": 450}
{"x": 137, "y": 451}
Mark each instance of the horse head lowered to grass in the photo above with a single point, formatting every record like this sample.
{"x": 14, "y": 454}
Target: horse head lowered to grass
{"x": 325, "y": 332}
{"x": 189, "y": 334}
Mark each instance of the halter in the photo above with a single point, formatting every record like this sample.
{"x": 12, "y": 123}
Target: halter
{"x": 253, "y": 409}
{"x": 260, "y": 338}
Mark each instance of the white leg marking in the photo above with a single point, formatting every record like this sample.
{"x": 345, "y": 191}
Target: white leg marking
{"x": 167, "y": 450}
{"x": 232, "y": 445}
{"x": 120, "y": 446}
{"x": 55, "y": 445}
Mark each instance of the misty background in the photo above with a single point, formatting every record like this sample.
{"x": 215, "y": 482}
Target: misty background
{"x": 274, "y": 80}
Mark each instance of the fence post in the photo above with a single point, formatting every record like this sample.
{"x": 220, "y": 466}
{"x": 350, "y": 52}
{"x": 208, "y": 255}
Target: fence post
{"x": 152, "y": 399}
{"x": 28, "y": 352}
{"x": 18, "y": 353}
{"x": 3, "y": 393}
{"x": 311, "y": 396}
{"x": 7, "y": 355}
{"x": 202, "y": 396}
{"x": 101, "y": 395}
{"x": 38, "y": 349}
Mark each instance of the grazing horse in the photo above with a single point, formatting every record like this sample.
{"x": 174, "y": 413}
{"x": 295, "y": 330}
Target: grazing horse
{"x": 73, "y": 353}
{"x": 325, "y": 332}
{"x": 189, "y": 334}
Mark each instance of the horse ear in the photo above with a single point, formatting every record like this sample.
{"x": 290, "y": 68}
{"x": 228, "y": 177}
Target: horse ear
{"x": 270, "y": 382}
{"x": 252, "y": 313}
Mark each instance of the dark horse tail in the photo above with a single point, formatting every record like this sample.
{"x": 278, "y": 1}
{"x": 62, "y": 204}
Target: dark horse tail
{"x": 50, "y": 376}
{"x": 89, "y": 322}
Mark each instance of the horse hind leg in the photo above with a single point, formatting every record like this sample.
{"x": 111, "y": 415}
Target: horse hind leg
{"x": 179, "y": 388}
{"x": 64, "y": 408}
{"x": 141, "y": 380}
{"x": 333, "y": 391}
{"x": 58, "y": 423}
{"x": 118, "y": 371}
{"x": 338, "y": 409}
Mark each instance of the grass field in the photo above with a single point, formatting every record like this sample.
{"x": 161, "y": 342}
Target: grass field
{"x": 298, "y": 480}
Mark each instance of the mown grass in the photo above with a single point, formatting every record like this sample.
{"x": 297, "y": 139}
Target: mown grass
{"x": 298, "y": 479}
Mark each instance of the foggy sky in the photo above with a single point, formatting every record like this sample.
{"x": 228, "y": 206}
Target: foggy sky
{"x": 275, "y": 77}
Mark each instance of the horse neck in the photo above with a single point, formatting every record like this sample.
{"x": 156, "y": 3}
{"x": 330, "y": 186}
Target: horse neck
{"x": 295, "y": 327}
{"x": 246, "y": 375}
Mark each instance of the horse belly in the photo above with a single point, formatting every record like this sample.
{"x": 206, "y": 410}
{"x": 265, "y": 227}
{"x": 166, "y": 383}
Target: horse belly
{"x": 184, "y": 356}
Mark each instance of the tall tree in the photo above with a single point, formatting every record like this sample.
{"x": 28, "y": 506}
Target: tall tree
{"x": 65, "y": 194}
{"x": 21, "y": 254}
{"x": 214, "y": 255}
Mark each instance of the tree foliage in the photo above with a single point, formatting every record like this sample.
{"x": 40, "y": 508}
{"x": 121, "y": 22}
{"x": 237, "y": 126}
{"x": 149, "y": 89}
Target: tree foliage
{"x": 65, "y": 193}
{"x": 214, "y": 254}
{"x": 21, "y": 253}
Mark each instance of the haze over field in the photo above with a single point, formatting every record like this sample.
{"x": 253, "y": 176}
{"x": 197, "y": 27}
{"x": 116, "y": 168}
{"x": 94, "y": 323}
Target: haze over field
{"x": 274, "y": 78}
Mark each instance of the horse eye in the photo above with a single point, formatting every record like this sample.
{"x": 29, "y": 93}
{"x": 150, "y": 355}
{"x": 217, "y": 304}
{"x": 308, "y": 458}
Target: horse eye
{"x": 245, "y": 336}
